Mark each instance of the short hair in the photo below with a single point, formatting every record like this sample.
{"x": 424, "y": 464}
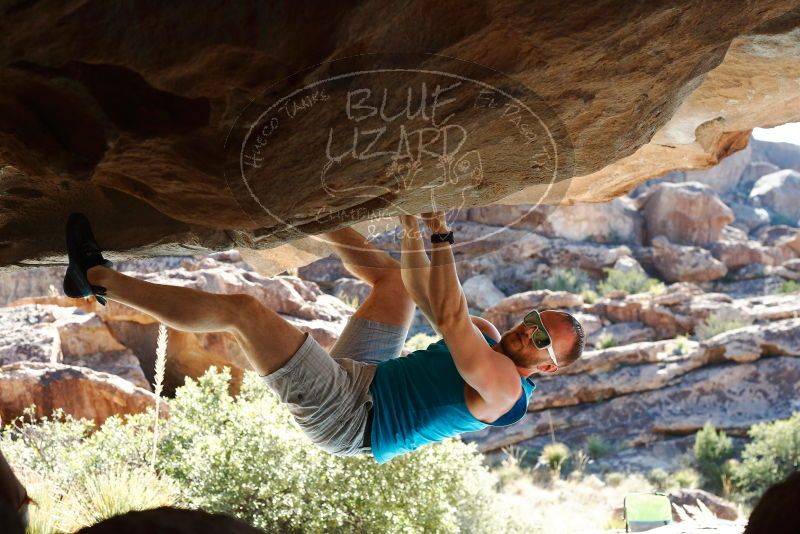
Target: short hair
{"x": 776, "y": 511}
{"x": 576, "y": 350}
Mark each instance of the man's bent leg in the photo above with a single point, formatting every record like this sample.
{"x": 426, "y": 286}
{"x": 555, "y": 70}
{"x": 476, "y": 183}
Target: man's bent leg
{"x": 327, "y": 399}
{"x": 388, "y": 302}
{"x": 268, "y": 340}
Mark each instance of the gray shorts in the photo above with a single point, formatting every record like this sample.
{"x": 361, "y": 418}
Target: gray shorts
{"x": 328, "y": 394}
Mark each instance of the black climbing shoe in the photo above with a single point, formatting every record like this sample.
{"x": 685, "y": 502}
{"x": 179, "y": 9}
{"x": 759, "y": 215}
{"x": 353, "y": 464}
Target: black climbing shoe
{"x": 84, "y": 253}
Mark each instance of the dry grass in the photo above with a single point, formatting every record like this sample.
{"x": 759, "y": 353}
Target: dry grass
{"x": 578, "y": 505}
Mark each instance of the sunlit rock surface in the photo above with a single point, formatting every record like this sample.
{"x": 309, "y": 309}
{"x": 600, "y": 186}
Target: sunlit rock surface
{"x": 101, "y": 112}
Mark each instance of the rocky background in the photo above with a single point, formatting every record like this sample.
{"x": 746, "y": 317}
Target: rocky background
{"x": 723, "y": 245}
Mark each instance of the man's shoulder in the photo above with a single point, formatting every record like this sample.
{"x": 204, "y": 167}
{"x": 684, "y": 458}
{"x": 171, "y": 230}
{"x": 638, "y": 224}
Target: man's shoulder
{"x": 487, "y": 329}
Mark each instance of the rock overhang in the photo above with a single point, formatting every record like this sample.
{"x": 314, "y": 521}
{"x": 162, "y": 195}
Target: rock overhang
{"x": 128, "y": 122}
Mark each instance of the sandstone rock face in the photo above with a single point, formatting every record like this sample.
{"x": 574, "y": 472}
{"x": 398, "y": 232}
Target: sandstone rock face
{"x": 609, "y": 222}
{"x": 748, "y": 218}
{"x": 735, "y": 249}
{"x": 622, "y": 333}
{"x": 80, "y": 392}
{"x": 481, "y": 292}
{"x": 678, "y": 263}
{"x": 21, "y": 342}
{"x": 688, "y": 214}
{"x": 779, "y": 192}
{"x": 52, "y": 334}
{"x": 754, "y": 171}
{"x": 790, "y": 270}
{"x": 732, "y": 396}
{"x": 509, "y": 311}
{"x": 723, "y": 178}
{"x": 135, "y": 128}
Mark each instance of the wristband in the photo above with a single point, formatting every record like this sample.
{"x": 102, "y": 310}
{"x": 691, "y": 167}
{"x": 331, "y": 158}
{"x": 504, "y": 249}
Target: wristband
{"x": 443, "y": 238}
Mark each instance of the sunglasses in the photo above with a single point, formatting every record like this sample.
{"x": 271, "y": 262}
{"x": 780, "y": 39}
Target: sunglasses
{"x": 540, "y": 336}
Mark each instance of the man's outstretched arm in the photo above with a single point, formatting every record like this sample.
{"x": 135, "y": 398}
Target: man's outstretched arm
{"x": 415, "y": 268}
{"x": 416, "y": 272}
{"x": 491, "y": 374}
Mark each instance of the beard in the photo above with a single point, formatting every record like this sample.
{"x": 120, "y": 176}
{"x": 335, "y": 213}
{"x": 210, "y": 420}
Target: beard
{"x": 514, "y": 348}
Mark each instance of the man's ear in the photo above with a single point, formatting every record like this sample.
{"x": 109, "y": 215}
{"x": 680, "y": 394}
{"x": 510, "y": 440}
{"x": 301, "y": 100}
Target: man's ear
{"x": 547, "y": 368}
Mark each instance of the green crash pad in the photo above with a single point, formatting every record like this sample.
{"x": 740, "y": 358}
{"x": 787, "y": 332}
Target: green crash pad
{"x": 645, "y": 511}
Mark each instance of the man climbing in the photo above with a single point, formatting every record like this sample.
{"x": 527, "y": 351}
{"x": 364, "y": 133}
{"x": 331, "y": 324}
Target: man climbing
{"x": 360, "y": 397}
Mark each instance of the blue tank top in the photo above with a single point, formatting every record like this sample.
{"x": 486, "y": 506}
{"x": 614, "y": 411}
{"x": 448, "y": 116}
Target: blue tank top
{"x": 419, "y": 399}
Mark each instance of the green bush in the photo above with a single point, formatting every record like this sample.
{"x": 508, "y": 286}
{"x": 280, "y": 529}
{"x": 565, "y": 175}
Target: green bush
{"x": 681, "y": 345}
{"x": 721, "y": 321}
{"x": 685, "y": 478}
{"x": 789, "y": 286}
{"x": 631, "y": 282}
{"x": 614, "y": 479}
{"x": 554, "y": 456}
{"x": 606, "y": 341}
{"x": 571, "y": 280}
{"x": 246, "y": 457}
{"x": 589, "y": 296}
{"x": 771, "y": 456}
{"x": 420, "y": 341}
{"x": 597, "y": 447}
{"x": 659, "y": 478}
{"x": 712, "y": 449}
{"x": 351, "y": 301}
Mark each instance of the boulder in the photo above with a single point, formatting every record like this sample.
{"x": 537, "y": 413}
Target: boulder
{"x": 736, "y": 250}
{"x": 776, "y": 338}
{"x": 78, "y": 391}
{"x": 324, "y": 271}
{"x": 619, "y": 310}
{"x": 782, "y": 242}
{"x": 770, "y": 307}
{"x": 779, "y": 193}
{"x": 678, "y": 263}
{"x": 650, "y": 366}
{"x": 590, "y": 257}
{"x": 598, "y": 361}
{"x": 692, "y": 497}
{"x": 351, "y": 290}
{"x": 748, "y": 218}
{"x": 666, "y": 322}
{"x": 626, "y": 264}
{"x": 617, "y": 222}
{"x": 754, "y": 171}
{"x": 519, "y": 216}
{"x": 590, "y": 323}
{"x": 790, "y": 270}
{"x": 750, "y": 287}
{"x": 782, "y": 155}
{"x": 481, "y": 292}
{"x": 29, "y": 335}
{"x": 688, "y": 213}
{"x": 723, "y": 177}
{"x": 510, "y": 310}
{"x": 622, "y": 334}
{"x": 675, "y": 294}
